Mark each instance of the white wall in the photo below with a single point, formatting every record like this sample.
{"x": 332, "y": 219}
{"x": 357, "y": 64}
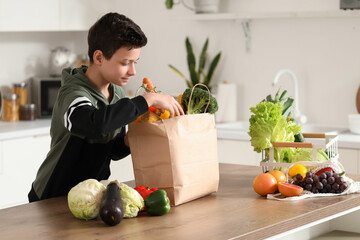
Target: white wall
{"x": 26, "y": 54}
{"x": 323, "y": 53}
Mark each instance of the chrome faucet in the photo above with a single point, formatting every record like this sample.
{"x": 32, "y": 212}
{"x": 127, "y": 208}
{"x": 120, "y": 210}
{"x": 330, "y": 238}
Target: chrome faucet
{"x": 299, "y": 118}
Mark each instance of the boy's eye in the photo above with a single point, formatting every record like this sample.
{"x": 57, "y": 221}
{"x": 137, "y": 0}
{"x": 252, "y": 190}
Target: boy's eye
{"x": 126, "y": 63}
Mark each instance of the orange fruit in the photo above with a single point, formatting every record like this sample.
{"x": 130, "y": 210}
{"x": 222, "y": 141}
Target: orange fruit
{"x": 264, "y": 184}
{"x": 279, "y": 175}
{"x": 289, "y": 190}
{"x": 296, "y": 169}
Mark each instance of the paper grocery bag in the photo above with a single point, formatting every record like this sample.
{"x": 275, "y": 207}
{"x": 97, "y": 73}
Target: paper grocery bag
{"x": 178, "y": 155}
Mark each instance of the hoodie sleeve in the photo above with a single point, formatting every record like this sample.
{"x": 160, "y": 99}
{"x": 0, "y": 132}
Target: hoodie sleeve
{"x": 83, "y": 119}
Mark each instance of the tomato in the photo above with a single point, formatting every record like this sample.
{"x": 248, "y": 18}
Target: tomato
{"x": 289, "y": 190}
{"x": 297, "y": 169}
{"x": 264, "y": 184}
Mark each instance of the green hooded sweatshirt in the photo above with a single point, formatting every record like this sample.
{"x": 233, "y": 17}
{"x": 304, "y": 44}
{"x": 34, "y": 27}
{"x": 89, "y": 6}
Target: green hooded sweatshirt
{"x": 87, "y": 132}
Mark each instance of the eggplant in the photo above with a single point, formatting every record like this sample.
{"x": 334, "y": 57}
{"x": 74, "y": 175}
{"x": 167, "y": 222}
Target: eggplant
{"x": 111, "y": 206}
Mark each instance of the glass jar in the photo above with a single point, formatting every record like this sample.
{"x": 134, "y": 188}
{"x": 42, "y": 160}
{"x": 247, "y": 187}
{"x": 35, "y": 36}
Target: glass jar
{"x": 28, "y": 112}
{"x": 21, "y": 90}
{"x": 10, "y": 107}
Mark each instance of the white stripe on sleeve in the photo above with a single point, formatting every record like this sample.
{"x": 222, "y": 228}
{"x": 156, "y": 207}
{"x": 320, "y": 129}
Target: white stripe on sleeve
{"x": 78, "y": 102}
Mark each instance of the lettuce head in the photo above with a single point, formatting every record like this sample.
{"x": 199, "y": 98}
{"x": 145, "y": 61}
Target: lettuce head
{"x": 268, "y": 125}
{"x": 84, "y": 199}
{"x": 306, "y": 154}
{"x": 132, "y": 201}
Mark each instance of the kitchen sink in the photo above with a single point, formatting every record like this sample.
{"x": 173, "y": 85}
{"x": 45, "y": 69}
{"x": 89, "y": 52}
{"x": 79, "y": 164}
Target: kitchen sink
{"x": 317, "y": 128}
{"x": 234, "y": 126}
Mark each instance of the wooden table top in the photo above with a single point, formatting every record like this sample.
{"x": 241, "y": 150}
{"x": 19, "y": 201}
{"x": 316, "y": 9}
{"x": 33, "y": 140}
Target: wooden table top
{"x": 234, "y": 212}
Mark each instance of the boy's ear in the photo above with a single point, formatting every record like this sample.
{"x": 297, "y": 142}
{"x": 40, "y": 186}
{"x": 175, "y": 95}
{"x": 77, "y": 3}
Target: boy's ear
{"x": 98, "y": 57}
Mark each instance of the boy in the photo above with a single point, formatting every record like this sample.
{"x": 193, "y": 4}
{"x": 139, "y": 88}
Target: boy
{"x": 90, "y": 113}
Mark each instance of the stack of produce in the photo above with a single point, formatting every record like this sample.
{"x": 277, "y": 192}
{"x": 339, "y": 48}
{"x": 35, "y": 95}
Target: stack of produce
{"x": 271, "y": 121}
{"x": 304, "y": 177}
{"x": 326, "y": 179}
{"x": 91, "y": 199}
{"x": 201, "y": 101}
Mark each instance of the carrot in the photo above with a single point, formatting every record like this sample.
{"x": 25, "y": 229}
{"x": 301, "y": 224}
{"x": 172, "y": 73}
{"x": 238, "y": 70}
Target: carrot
{"x": 179, "y": 98}
{"x": 147, "y": 84}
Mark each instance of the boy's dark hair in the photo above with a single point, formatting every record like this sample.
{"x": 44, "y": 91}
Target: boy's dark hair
{"x": 113, "y": 31}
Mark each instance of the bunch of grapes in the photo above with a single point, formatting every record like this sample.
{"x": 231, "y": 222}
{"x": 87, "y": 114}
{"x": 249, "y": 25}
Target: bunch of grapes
{"x": 326, "y": 182}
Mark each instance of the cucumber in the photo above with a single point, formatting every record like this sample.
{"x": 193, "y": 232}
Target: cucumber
{"x": 299, "y": 138}
{"x": 111, "y": 206}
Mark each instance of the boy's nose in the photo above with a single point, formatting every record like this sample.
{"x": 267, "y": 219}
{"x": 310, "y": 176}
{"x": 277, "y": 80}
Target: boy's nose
{"x": 132, "y": 70}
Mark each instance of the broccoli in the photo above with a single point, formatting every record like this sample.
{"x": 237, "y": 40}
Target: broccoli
{"x": 199, "y": 101}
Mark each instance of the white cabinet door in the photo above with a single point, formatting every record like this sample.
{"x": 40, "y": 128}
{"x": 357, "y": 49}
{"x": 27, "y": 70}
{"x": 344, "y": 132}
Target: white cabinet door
{"x": 80, "y": 15}
{"x": 349, "y": 158}
{"x": 20, "y": 160}
{"x": 237, "y": 152}
{"x": 26, "y": 15}
{"x": 122, "y": 170}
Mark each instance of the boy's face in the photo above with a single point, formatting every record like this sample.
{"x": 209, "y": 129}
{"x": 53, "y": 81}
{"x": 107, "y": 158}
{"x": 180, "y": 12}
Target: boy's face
{"x": 121, "y": 66}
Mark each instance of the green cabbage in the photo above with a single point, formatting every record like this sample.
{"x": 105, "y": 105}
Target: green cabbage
{"x": 84, "y": 199}
{"x": 268, "y": 125}
{"x": 132, "y": 201}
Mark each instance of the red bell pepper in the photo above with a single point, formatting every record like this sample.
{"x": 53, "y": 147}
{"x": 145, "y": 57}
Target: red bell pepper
{"x": 145, "y": 191}
{"x": 152, "y": 109}
{"x": 327, "y": 169}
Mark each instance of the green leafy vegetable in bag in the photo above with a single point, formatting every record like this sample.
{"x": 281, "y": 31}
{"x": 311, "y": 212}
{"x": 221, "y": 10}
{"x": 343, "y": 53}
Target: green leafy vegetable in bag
{"x": 198, "y": 101}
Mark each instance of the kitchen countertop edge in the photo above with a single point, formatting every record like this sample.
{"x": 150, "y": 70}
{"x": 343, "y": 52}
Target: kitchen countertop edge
{"x": 20, "y": 129}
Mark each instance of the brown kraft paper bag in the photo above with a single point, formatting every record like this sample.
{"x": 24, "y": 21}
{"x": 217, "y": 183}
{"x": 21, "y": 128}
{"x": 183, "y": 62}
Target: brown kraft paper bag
{"x": 178, "y": 155}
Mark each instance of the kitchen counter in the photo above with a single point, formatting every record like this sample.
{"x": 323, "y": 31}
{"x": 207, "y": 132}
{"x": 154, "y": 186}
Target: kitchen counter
{"x": 10, "y": 130}
{"x": 231, "y": 131}
{"x": 234, "y": 212}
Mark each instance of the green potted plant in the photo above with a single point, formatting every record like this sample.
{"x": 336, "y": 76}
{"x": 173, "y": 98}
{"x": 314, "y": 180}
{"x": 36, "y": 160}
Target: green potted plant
{"x": 200, "y": 6}
{"x": 197, "y": 73}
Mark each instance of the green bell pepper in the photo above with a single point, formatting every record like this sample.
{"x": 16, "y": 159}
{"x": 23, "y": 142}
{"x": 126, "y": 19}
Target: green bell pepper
{"x": 157, "y": 203}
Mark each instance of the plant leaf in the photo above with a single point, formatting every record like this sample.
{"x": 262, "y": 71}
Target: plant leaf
{"x": 188, "y": 83}
{"x": 282, "y": 95}
{"x": 191, "y": 62}
{"x": 287, "y": 107}
{"x": 212, "y": 68}
{"x": 202, "y": 59}
{"x": 277, "y": 96}
{"x": 269, "y": 98}
{"x": 169, "y": 4}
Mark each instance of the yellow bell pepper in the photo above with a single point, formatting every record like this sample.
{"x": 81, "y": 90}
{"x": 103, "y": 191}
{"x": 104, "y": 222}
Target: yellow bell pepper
{"x": 165, "y": 114}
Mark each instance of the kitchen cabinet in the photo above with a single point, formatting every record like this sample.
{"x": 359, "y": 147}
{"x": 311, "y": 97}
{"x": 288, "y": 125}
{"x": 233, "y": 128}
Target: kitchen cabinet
{"x": 80, "y": 15}
{"x": 25, "y": 15}
{"x": 237, "y": 152}
{"x": 20, "y": 158}
{"x": 52, "y": 15}
{"x": 350, "y": 159}
{"x": 19, "y": 161}
{"x": 122, "y": 170}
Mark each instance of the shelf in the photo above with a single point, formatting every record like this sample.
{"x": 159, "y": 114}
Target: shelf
{"x": 275, "y": 15}
{"x": 245, "y": 18}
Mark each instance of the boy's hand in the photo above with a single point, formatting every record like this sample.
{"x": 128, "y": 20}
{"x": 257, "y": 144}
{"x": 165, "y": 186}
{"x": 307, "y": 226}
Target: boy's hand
{"x": 164, "y": 102}
{"x": 126, "y": 141}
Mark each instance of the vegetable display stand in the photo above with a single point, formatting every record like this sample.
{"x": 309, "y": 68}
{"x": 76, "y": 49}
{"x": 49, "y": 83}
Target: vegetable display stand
{"x": 326, "y": 142}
